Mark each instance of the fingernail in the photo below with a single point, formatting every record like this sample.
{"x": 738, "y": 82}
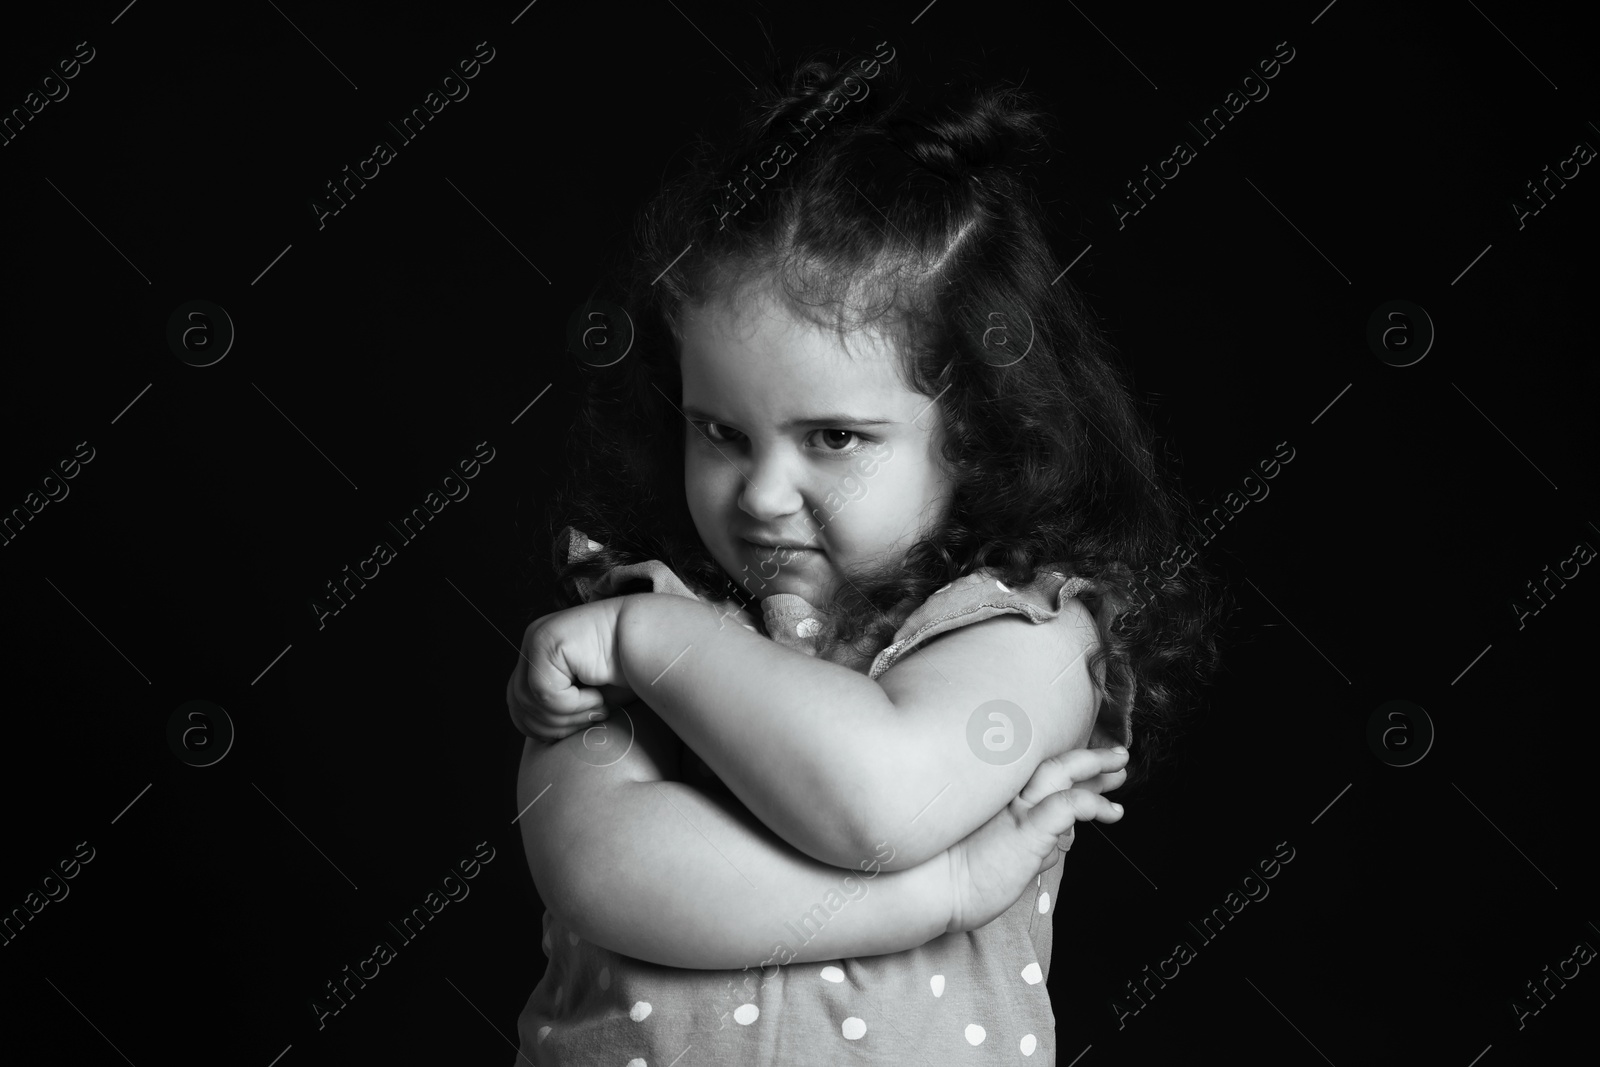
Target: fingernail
{"x": 1116, "y": 807}
{"x": 1120, "y": 750}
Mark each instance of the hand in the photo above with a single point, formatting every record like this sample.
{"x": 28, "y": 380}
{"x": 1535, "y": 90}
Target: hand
{"x": 568, "y": 672}
{"x": 991, "y": 867}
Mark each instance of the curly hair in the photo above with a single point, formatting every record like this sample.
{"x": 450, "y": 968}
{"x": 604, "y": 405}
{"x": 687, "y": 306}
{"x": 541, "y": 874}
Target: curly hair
{"x": 914, "y": 219}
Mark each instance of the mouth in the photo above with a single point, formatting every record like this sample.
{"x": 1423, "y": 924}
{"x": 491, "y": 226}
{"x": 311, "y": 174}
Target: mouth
{"x": 772, "y": 549}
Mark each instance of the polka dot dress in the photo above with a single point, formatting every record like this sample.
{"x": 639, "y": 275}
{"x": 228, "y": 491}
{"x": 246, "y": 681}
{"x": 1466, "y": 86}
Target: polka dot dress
{"x": 975, "y": 997}
{"x": 980, "y": 995}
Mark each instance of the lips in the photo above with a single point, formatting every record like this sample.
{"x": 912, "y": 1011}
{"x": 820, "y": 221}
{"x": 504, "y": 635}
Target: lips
{"x": 770, "y": 550}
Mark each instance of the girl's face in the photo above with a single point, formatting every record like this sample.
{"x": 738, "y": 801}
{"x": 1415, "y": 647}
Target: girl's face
{"x": 797, "y": 441}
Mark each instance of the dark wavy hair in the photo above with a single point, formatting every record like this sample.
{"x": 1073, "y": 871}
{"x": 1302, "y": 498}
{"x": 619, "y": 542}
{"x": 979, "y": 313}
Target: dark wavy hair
{"x": 912, "y": 217}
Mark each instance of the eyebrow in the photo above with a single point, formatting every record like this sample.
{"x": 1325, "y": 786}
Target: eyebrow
{"x": 815, "y": 422}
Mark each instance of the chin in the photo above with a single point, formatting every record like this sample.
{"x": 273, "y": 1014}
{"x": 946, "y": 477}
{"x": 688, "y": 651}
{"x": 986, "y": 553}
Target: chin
{"x": 786, "y": 583}
{"x": 761, "y": 588}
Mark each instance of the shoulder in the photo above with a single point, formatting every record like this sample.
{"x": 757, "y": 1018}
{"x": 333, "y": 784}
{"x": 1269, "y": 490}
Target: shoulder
{"x": 1046, "y": 613}
{"x": 990, "y": 683}
{"x": 989, "y": 643}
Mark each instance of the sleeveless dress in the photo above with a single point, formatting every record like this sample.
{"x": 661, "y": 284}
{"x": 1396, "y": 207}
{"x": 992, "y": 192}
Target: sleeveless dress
{"x": 973, "y": 997}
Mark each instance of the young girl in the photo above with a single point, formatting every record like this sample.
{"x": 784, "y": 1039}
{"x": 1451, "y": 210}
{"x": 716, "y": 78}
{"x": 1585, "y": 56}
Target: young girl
{"x": 852, "y": 529}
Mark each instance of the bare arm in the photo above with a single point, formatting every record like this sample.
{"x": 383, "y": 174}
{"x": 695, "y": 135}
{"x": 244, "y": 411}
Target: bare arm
{"x": 834, "y": 762}
{"x": 663, "y": 872}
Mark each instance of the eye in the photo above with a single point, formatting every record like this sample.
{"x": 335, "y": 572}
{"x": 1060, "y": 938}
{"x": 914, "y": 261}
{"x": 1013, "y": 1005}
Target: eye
{"x": 716, "y": 432}
{"x": 833, "y": 440}
{"x": 829, "y": 438}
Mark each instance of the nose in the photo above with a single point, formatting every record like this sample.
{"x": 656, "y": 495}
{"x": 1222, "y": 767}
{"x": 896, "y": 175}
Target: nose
{"x": 773, "y": 491}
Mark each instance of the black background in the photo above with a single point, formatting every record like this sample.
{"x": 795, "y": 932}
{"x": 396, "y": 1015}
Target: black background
{"x": 376, "y": 752}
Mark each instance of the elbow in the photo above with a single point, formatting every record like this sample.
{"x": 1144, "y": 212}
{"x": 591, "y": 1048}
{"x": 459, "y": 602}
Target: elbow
{"x": 841, "y": 825}
{"x": 892, "y": 852}
{"x": 879, "y": 847}
{"x": 567, "y": 894}
{"x": 563, "y": 862}
{"x": 853, "y": 833}
{"x": 886, "y": 829}
{"x": 839, "y": 842}
{"x": 878, "y": 832}
{"x": 870, "y": 827}
{"x": 555, "y": 880}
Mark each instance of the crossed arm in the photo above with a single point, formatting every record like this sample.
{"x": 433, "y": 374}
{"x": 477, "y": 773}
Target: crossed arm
{"x": 661, "y": 871}
{"x": 835, "y": 762}
{"x": 825, "y": 757}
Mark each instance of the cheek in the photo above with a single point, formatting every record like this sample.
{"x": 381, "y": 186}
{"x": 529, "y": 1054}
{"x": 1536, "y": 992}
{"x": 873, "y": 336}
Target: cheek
{"x": 707, "y": 484}
{"x": 917, "y": 502}
{"x": 877, "y": 518}
{"x": 699, "y": 462}
{"x": 938, "y": 487}
{"x": 696, "y": 487}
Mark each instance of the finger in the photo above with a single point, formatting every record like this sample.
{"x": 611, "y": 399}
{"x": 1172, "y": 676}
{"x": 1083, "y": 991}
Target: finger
{"x": 549, "y": 679}
{"x": 1071, "y": 768}
{"x": 1103, "y": 783}
{"x": 542, "y": 710}
{"x": 581, "y": 709}
{"x": 551, "y": 692}
{"x": 545, "y": 729}
{"x": 1087, "y": 806}
{"x": 540, "y": 731}
{"x": 1053, "y": 817}
{"x": 550, "y": 688}
{"x": 567, "y": 723}
{"x": 576, "y": 706}
{"x": 527, "y": 695}
{"x": 523, "y": 711}
{"x": 550, "y": 707}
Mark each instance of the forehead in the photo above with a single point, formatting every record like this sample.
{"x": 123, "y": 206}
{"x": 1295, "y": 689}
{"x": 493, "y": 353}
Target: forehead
{"x": 758, "y": 359}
